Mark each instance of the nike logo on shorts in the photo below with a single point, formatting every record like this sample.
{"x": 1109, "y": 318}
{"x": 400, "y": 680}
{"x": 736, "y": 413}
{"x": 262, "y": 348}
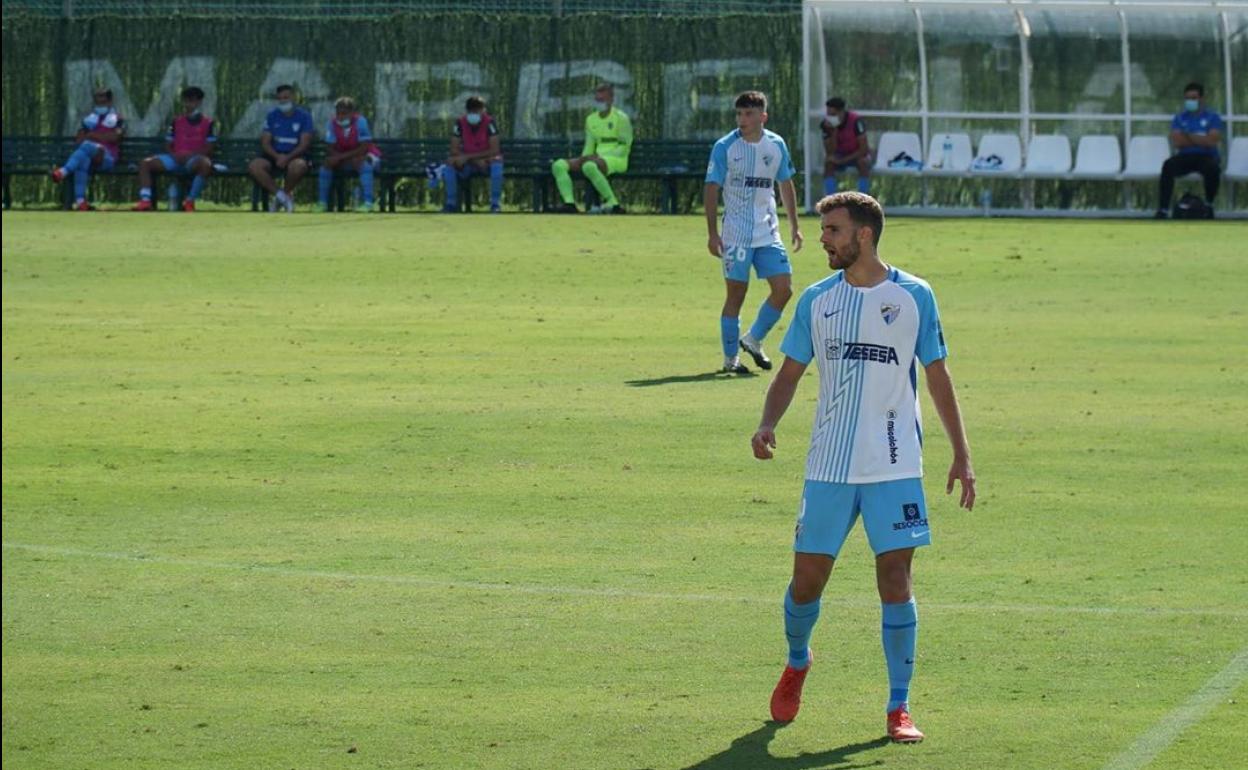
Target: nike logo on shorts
{"x": 916, "y": 535}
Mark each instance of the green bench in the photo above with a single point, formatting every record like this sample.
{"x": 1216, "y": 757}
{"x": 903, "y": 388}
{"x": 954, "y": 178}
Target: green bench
{"x": 668, "y": 162}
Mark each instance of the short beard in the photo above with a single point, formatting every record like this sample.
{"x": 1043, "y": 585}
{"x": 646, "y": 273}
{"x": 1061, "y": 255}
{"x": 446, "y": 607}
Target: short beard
{"x": 847, "y": 260}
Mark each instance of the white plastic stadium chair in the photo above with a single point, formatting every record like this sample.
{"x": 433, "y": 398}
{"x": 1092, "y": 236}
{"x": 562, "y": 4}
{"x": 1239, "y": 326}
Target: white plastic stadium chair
{"x": 894, "y": 148}
{"x": 999, "y": 155}
{"x": 1145, "y": 154}
{"x": 1237, "y": 160}
{"x": 960, "y": 155}
{"x": 1048, "y": 157}
{"x": 1099, "y": 157}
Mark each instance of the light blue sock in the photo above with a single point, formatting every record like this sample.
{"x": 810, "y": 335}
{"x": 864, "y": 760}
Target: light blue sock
{"x": 767, "y": 317}
{"x": 730, "y": 335}
{"x": 829, "y": 185}
{"x": 496, "y": 184}
{"x": 81, "y": 176}
{"x": 366, "y": 180}
{"x": 324, "y": 180}
{"x": 799, "y": 624}
{"x": 899, "y": 633}
{"x": 450, "y": 178}
{"x": 197, "y": 187}
{"x": 864, "y": 184}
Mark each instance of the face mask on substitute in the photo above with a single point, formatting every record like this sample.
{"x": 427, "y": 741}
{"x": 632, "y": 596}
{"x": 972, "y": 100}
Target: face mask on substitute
{"x": 285, "y": 106}
{"x": 474, "y": 118}
{"x": 1191, "y": 105}
{"x": 195, "y": 113}
{"x": 100, "y": 110}
{"x": 834, "y": 120}
{"x": 344, "y": 122}
{"x": 600, "y": 103}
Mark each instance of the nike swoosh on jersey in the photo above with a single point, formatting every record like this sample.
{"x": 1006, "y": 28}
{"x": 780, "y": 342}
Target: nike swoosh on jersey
{"x": 829, "y": 315}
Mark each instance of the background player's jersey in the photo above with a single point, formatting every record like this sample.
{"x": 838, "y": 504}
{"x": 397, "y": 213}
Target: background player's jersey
{"x": 747, "y": 173}
{"x": 867, "y": 424}
{"x": 609, "y": 136}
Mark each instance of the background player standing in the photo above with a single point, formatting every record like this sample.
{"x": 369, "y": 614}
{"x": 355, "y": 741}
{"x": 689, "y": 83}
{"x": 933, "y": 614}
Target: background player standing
{"x": 746, "y": 164}
{"x": 866, "y": 324}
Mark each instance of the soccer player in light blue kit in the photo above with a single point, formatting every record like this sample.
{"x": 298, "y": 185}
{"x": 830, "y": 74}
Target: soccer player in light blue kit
{"x": 746, "y": 164}
{"x": 867, "y": 325}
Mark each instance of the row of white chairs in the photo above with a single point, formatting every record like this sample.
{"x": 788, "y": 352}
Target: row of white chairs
{"x": 1048, "y": 157}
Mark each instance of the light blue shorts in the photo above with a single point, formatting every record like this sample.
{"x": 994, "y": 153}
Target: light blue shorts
{"x": 173, "y": 167}
{"x": 894, "y": 514}
{"x": 767, "y": 261}
{"x": 95, "y": 149}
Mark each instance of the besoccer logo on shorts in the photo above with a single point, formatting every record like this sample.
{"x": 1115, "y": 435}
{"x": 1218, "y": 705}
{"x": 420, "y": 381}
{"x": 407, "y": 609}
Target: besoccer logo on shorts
{"x": 910, "y": 511}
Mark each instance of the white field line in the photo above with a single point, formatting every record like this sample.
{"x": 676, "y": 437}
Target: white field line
{"x": 1168, "y": 728}
{"x": 606, "y": 593}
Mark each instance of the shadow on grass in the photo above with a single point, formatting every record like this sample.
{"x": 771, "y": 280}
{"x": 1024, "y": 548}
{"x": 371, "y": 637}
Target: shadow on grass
{"x": 677, "y": 379}
{"x": 749, "y": 752}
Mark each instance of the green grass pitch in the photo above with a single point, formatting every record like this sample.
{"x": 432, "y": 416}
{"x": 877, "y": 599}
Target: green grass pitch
{"x": 427, "y": 492}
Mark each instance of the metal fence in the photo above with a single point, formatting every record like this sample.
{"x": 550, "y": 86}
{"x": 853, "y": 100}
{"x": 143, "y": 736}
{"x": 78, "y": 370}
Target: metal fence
{"x": 303, "y": 9}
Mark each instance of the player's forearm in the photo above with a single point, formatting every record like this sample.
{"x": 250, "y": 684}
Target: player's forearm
{"x": 710, "y": 202}
{"x": 305, "y": 141}
{"x": 788, "y": 195}
{"x": 779, "y": 396}
{"x": 1205, "y": 140}
{"x": 945, "y": 399}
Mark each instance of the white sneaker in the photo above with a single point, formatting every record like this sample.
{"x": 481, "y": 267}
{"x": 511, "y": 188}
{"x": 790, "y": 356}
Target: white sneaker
{"x": 288, "y": 202}
{"x": 756, "y": 352}
{"x": 274, "y": 202}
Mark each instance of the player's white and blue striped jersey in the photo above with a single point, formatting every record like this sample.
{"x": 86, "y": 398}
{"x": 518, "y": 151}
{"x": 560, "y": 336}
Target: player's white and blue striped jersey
{"x": 867, "y": 341}
{"x": 747, "y": 172}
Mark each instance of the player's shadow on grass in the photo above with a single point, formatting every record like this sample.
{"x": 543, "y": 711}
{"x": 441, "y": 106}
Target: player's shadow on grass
{"x": 749, "y": 752}
{"x": 676, "y": 379}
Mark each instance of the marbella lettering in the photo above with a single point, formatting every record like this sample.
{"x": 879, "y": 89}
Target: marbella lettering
{"x": 405, "y": 91}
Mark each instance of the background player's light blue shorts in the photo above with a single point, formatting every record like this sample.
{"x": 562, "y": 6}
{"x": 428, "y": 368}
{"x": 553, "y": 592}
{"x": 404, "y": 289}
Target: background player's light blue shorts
{"x": 894, "y": 514}
{"x": 173, "y": 167}
{"x": 95, "y": 149}
{"x": 767, "y": 261}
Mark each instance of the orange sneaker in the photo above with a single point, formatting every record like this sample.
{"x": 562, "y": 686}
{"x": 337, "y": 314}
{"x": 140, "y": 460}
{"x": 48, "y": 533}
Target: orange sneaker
{"x": 145, "y": 204}
{"x": 188, "y": 205}
{"x": 901, "y": 728}
{"x": 58, "y": 175}
{"x": 786, "y": 699}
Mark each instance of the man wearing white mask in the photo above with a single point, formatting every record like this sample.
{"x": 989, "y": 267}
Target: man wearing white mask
{"x": 845, "y": 146}
{"x": 1195, "y": 134}
{"x": 608, "y": 141}
{"x": 474, "y": 150}
{"x": 284, "y": 145}
{"x": 99, "y": 145}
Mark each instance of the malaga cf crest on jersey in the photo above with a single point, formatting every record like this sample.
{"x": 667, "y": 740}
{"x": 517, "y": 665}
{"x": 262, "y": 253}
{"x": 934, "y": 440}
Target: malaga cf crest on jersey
{"x": 890, "y": 313}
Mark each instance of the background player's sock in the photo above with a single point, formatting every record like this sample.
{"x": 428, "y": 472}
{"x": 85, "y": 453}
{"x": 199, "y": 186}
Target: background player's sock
{"x": 496, "y": 183}
{"x": 864, "y": 184}
{"x": 799, "y": 623}
{"x": 145, "y": 193}
{"x": 600, "y": 183}
{"x": 899, "y": 633}
{"x": 80, "y": 183}
{"x": 450, "y": 178}
{"x": 730, "y": 335}
{"x": 324, "y": 180}
{"x": 366, "y": 181}
{"x": 563, "y": 180}
{"x": 767, "y": 317}
{"x": 197, "y": 187}
{"x": 829, "y": 185}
